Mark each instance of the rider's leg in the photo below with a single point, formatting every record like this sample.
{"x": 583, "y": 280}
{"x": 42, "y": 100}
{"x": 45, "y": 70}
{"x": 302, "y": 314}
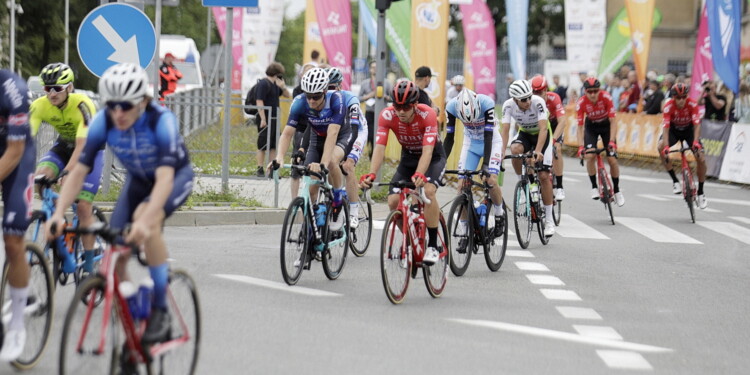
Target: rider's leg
{"x": 352, "y": 187}
{"x": 517, "y": 149}
{"x": 431, "y": 214}
{"x": 557, "y": 165}
{"x": 614, "y": 170}
{"x": 18, "y": 278}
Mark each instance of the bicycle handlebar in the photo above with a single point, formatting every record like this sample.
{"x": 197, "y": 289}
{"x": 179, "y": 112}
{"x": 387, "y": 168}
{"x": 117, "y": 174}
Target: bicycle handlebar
{"x": 44, "y": 181}
{"x": 399, "y": 184}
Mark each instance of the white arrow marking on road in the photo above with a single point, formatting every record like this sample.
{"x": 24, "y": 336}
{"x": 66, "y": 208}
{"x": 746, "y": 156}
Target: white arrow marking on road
{"x": 656, "y": 231}
{"x": 279, "y": 286}
{"x": 565, "y": 336}
{"x": 124, "y": 51}
{"x": 728, "y": 229}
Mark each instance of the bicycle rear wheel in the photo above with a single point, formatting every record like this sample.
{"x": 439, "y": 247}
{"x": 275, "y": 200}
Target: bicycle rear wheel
{"x": 606, "y": 194}
{"x": 186, "y": 327}
{"x": 39, "y": 307}
{"x": 294, "y": 241}
{"x": 334, "y": 257}
{"x": 360, "y": 237}
{"x": 522, "y": 214}
{"x": 557, "y": 211}
{"x": 688, "y": 184}
{"x": 436, "y": 275}
{"x": 395, "y": 259}
{"x": 461, "y": 236}
{"x": 494, "y": 247}
{"x": 83, "y": 323}
{"x": 541, "y": 221}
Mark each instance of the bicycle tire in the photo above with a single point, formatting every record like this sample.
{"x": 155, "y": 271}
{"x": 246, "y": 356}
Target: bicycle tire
{"x": 183, "y": 304}
{"x": 86, "y": 360}
{"x": 463, "y": 237}
{"x": 522, "y": 214}
{"x": 40, "y": 306}
{"x": 395, "y": 259}
{"x": 557, "y": 211}
{"x": 296, "y": 230}
{"x": 360, "y": 239}
{"x": 606, "y": 196}
{"x": 494, "y": 254}
{"x": 436, "y": 275}
{"x": 687, "y": 182}
{"x": 334, "y": 258}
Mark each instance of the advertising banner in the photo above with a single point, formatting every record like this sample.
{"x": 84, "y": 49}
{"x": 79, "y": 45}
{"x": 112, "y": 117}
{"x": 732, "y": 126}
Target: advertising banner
{"x": 220, "y": 17}
{"x": 585, "y": 28}
{"x": 617, "y": 47}
{"x": 703, "y": 68}
{"x": 335, "y": 22}
{"x": 724, "y": 27}
{"x": 313, "y": 42}
{"x": 714, "y": 136}
{"x": 429, "y": 23}
{"x": 518, "y": 16}
{"x": 261, "y": 31}
{"x": 397, "y": 31}
{"x": 736, "y": 164}
{"x": 479, "y": 32}
{"x": 640, "y": 14}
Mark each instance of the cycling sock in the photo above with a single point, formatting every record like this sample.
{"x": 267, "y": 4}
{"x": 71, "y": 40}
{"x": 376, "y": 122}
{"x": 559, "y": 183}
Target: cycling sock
{"x": 354, "y": 209}
{"x": 548, "y": 211}
{"x": 700, "y": 188}
{"x": 671, "y": 174}
{"x": 498, "y": 209}
{"x": 519, "y": 177}
{"x": 88, "y": 260}
{"x": 19, "y": 297}
{"x": 593, "y": 181}
{"x": 616, "y": 184}
{"x": 559, "y": 182}
{"x": 160, "y": 275}
{"x": 432, "y": 233}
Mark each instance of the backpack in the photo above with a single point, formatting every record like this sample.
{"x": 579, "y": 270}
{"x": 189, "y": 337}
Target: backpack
{"x": 251, "y": 100}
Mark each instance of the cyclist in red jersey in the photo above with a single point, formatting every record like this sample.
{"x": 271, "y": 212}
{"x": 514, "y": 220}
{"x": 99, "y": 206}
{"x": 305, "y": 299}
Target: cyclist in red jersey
{"x": 422, "y": 154}
{"x": 682, "y": 122}
{"x": 597, "y": 108}
{"x": 556, "y": 119}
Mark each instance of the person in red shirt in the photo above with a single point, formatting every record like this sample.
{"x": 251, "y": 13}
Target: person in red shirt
{"x": 556, "y": 119}
{"x": 169, "y": 76}
{"x": 599, "y": 111}
{"x": 422, "y": 154}
{"x": 682, "y": 122}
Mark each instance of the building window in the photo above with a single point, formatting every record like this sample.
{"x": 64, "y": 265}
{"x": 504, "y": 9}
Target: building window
{"x": 677, "y": 66}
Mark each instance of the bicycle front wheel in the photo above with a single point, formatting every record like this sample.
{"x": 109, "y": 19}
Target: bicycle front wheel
{"x": 606, "y": 194}
{"x": 495, "y": 245}
{"x": 395, "y": 259}
{"x": 361, "y": 235}
{"x": 294, "y": 241}
{"x": 462, "y": 236}
{"x": 436, "y": 275}
{"x": 337, "y": 245}
{"x": 557, "y": 211}
{"x": 39, "y": 306}
{"x": 687, "y": 182}
{"x": 541, "y": 223}
{"x": 186, "y": 326}
{"x": 522, "y": 214}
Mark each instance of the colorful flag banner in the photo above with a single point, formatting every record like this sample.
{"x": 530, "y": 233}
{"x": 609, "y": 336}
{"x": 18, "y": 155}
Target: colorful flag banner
{"x": 617, "y": 47}
{"x": 313, "y": 42}
{"x": 479, "y": 33}
{"x": 429, "y": 23}
{"x": 724, "y": 28}
{"x": 220, "y": 16}
{"x": 261, "y": 31}
{"x": 640, "y": 15}
{"x": 335, "y": 21}
{"x": 703, "y": 67}
{"x": 518, "y": 16}
{"x": 397, "y": 31}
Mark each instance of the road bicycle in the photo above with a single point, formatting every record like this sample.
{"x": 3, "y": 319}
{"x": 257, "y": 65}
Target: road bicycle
{"x": 39, "y": 307}
{"x": 689, "y": 190}
{"x": 361, "y": 235}
{"x": 556, "y": 203}
{"x": 404, "y": 243}
{"x": 306, "y": 234}
{"x": 528, "y": 208}
{"x": 606, "y": 190}
{"x": 472, "y": 224}
{"x": 101, "y": 333}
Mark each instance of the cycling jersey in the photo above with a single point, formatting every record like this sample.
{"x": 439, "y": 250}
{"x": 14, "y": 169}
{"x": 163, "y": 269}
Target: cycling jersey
{"x": 70, "y": 122}
{"x": 595, "y": 112}
{"x": 527, "y": 121}
{"x": 358, "y": 124}
{"x": 554, "y": 105}
{"x": 473, "y": 147}
{"x": 334, "y": 111}
{"x": 422, "y": 131}
{"x": 474, "y": 131}
{"x": 681, "y": 118}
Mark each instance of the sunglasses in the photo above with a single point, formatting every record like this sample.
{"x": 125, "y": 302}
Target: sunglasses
{"x": 55, "y": 88}
{"x": 315, "y": 97}
{"x": 680, "y": 97}
{"x": 524, "y": 100}
{"x": 402, "y": 107}
{"x": 592, "y": 91}
{"x": 123, "y": 106}
{"x": 280, "y": 76}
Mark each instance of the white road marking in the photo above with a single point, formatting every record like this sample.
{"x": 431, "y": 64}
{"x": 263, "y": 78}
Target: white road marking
{"x": 545, "y": 280}
{"x": 378, "y": 224}
{"x": 728, "y": 229}
{"x": 656, "y": 231}
{"x": 741, "y": 219}
{"x": 654, "y": 197}
{"x": 574, "y": 228}
{"x": 625, "y": 178}
{"x": 560, "y": 294}
{"x": 622, "y": 359}
{"x": 530, "y": 266}
{"x": 601, "y": 332}
{"x": 570, "y": 312}
{"x": 727, "y": 201}
{"x": 278, "y": 286}
{"x": 519, "y": 253}
{"x": 565, "y": 336}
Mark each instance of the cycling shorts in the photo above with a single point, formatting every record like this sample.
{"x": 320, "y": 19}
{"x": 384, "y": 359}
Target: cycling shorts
{"x": 529, "y": 142}
{"x": 676, "y": 135}
{"x": 18, "y": 192}
{"x": 592, "y": 132}
{"x": 58, "y": 157}
{"x": 317, "y": 143}
{"x": 409, "y": 162}
{"x": 471, "y": 152}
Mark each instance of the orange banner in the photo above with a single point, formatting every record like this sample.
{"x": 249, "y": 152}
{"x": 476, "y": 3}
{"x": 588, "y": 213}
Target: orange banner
{"x": 640, "y": 14}
{"x": 313, "y": 42}
{"x": 637, "y": 134}
{"x": 468, "y": 70}
{"x": 429, "y": 25}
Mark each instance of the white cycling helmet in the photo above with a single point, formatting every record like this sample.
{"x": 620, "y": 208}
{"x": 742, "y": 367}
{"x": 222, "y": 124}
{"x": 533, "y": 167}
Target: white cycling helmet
{"x": 315, "y": 81}
{"x": 468, "y": 107}
{"x": 520, "y": 89}
{"x": 458, "y": 80}
{"x": 123, "y": 82}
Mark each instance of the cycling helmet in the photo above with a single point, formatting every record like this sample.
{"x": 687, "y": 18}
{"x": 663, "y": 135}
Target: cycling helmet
{"x": 520, "y": 89}
{"x": 679, "y": 89}
{"x": 458, "y": 80}
{"x": 315, "y": 81}
{"x": 334, "y": 76}
{"x": 123, "y": 82}
{"x": 468, "y": 107}
{"x": 405, "y": 92}
{"x": 591, "y": 82}
{"x": 538, "y": 83}
{"x": 56, "y": 74}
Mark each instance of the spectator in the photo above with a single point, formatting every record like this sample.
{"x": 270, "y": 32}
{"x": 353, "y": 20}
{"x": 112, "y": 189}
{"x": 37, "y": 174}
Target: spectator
{"x": 422, "y": 78}
{"x": 457, "y": 84}
{"x": 741, "y": 107}
{"x": 714, "y": 102}
{"x": 367, "y": 92}
{"x": 267, "y": 92}
{"x": 169, "y": 76}
{"x": 559, "y": 89}
{"x": 615, "y": 90}
{"x": 624, "y": 95}
{"x": 582, "y": 76}
{"x": 653, "y": 99}
{"x": 635, "y": 92}
{"x": 315, "y": 58}
{"x": 666, "y": 85}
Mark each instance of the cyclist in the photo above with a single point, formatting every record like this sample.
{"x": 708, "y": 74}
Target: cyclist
{"x": 682, "y": 122}
{"x": 597, "y": 108}
{"x": 16, "y": 173}
{"x": 301, "y": 139}
{"x": 357, "y": 142}
{"x": 477, "y": 113}
{"x": 557, "y": 122}
{"x": 70, "y": 115}
{"x": 145, "y": 138}
{"x": 325, "y": 112}
{"x": 422, "y": 154}
{"x": 534, "y": 133}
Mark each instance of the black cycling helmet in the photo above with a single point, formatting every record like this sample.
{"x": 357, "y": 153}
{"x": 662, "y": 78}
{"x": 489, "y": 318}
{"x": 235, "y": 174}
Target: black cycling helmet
{"x": 679, "y": 89}
{"x": 405, "y": 92}
{"x": 56, "y": 74}
{"x": 590, "y": 83}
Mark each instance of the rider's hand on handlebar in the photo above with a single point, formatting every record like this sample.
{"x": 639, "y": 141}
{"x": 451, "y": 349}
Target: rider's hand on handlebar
{"x": 365, "y": 182}
{"x": 612, "y": 147}
{"x": 665, "y": 151}
{"x": 580, "y": 152}
{"x": 538, "y": 157}
{"x": 697, "y": 146}
{"x": 418, "y": 179}
{"x": 139, "y": 232}
{"x": 59, "y": 224}
{"x": 314, "y": 167}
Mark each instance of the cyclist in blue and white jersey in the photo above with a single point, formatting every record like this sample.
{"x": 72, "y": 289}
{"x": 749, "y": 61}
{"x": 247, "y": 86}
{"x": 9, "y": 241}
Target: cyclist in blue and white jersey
{"x": 481, "y": 140}
{"x": 17, "y": 176}
{"x": 357, "y": 142}
{"x": 325, "y": 112}
{"x": 145, "y": 137}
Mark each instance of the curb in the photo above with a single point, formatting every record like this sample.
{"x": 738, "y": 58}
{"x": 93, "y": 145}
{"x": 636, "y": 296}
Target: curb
{"x": 219, "y": 217}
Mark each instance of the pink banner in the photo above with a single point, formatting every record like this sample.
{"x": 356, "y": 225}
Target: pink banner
{"x": 335, "y": 23}
{"x": 220, "y": 17}
{"x": 479, "y": 32}
{"x": 703, "y": 68}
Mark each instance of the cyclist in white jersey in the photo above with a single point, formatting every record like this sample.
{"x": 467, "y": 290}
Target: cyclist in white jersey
{"x": 534, "y": 133}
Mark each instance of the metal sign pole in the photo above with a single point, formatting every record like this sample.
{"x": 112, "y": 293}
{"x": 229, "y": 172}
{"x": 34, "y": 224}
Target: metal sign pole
{"x": 157, "y": 54}
{"x": 12, "y": 35}
{"x": 227, "y": 99}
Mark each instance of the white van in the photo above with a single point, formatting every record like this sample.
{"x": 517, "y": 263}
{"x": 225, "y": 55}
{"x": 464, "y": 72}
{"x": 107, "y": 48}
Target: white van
{"x": 187, "y": 61}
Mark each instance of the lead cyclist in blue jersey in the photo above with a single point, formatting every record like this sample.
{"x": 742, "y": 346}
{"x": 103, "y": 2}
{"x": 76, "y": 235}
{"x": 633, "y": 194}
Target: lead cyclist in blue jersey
{"x": 145, "y": 138}
{"x": 481, "y": 140}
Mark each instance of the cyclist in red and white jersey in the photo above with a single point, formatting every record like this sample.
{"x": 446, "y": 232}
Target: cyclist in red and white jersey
{"x": 598, "y": 110}
{"x": 422, "y": 154}
{"x": 682, "y": 122}
{"x": 556, "y": 119}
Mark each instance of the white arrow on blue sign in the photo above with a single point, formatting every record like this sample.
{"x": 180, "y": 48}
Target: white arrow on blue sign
{"x": 115, "y": 33}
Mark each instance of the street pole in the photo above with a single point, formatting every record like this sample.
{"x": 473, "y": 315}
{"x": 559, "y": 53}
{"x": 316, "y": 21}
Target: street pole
{"x": 227, "y": 99}
{"x": 12, "y": 35}
{"x": 157, "y": 54}
{"x": 67, "y": 28}
{"x": 208, "y": 28}
{"x": 380, "y": 59}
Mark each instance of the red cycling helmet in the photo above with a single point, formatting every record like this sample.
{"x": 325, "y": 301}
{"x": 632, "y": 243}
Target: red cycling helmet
{"x": 538, "y": 83}
{"x": 679, "y": 89}
{"x": 591, "y": 82}
{"x": 405, "y": 92}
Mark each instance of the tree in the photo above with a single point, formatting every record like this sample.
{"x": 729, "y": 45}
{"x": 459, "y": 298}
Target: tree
{"x": 546, "y": 18}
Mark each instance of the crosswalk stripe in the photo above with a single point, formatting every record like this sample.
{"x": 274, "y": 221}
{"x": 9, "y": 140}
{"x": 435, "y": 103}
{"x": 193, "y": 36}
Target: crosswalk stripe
{"x": 519, "y": 253}
{"x": 531, "y": 266}
{"x": 545, "y": 280}
{"x": 656, "y": 231}
{"x": 601, "y": 332}
{"x": 574, "y": 228}
{"x": 624, "y": 359}
{"x": 741, "y": 219}
{"x": 728, "y": 229}
{"x": 653, "y": 197}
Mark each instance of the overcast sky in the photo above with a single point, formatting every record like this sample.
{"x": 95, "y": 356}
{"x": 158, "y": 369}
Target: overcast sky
{"x": 294, "y": 7}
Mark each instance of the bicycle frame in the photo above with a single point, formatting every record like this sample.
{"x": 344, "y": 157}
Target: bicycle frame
{"x": 603, "y": 171}
{"x": 466, "y": 191}
{"x": 326, "y": 193}
{"x": 527, "y": 179}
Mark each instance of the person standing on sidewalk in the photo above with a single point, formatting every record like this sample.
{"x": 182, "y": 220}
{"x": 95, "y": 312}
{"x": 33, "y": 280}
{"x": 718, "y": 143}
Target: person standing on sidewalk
{"x": 169, "y": 75}
{"x": 268, "y": 91}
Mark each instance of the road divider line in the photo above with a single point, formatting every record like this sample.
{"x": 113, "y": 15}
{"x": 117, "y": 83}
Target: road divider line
{"x": 656, "y": 231}
{"x": 530, "y": 266}
{"x": 545, "y": 280}
{"x": 519, "y": 253}
{"x": 560, "y": 294}
{"x": 278, "y": 286}
{"x": 741, "y": 219}
{"x": 624, "y": 360}
{"x": 574, "y": 228}
{"x": 601, "y": 332}
{"x": 583, "y": 313}
{"x": 728, "y": 229}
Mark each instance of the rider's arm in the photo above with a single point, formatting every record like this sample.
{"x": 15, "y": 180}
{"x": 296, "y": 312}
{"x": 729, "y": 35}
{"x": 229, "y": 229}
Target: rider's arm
{"x": 429, "y": 139}
{"x": 381, "y": 139}
{"x": 35, "y": 117}
{"x": 696, "y": 123}
{"x": 86, "y": 111}
{"x": 377, "y": 158}
{"x": 450, "y": 133}
{"x": 295, "y": 112}
{"x": 560, "y": 115}
{"x": 489, "y": 133}
{"x": 580, "y": 115}
{"x": 544, "y": 128}
{"x": 542, "y": 137}
{"x": 11, "y": 157}
{"x": 360, "y": 139}
{"x": 286, "y": 138}
{"x": 331, "y": 135}
{"x": 17, "y": 123}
